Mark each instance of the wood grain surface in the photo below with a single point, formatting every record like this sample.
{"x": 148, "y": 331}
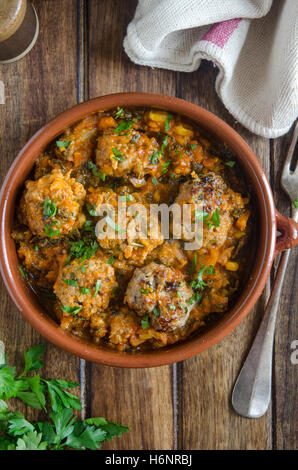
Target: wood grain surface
{"x": 79, "y": 55}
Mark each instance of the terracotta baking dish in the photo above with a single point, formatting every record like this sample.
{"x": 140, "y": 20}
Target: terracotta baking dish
{"x": 267, "y": 245}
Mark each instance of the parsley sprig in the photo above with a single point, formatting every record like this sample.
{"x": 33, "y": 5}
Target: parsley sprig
{"x": 62, "y": 429}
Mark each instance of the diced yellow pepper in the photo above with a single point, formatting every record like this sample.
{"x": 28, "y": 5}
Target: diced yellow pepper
{"x": 158, "y": 116}
{"x": 232, "y": 266}
{"x": 239, "y": 235}
{"x": 182, "y": 130}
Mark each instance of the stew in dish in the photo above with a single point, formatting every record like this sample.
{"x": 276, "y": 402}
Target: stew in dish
{"x": 132, "y": 286}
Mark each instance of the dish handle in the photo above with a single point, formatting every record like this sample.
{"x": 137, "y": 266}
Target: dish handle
{"x": 288, "y": 237}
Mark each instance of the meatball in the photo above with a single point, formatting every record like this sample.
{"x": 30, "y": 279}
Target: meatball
{"x": 132, "y": 241}
{"x": 84, "y": 288}
{"x": 52, "y": 205}
{"x": 131, "y": 155}
{"x": 77, "y": 144}
{"x": 162, "y": 293}
{"x": 217, "y": 205}
{"x": 44, "y": 261}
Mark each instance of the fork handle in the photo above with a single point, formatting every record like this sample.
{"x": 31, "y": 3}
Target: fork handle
{"x": 288, "y": 228}
{"x": 252, "y": 391}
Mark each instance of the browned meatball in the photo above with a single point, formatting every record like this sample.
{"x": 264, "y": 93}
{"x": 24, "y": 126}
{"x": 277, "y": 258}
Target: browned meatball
{"x": 162, "y": 293}
{"x": 85, "y": 288}
{"x": 128, "y": 241}
{"x": 217, "y": 206}
{"x": 52, "y": 205}
{"x": 131, "y": 155}
{"x": 77, "y": 144}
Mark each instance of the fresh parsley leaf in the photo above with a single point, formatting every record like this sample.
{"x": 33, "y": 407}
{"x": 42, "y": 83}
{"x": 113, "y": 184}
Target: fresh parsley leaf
{"x": 22, "y": 271}
{"x": 113, "y": 225}
{"x": 199, "y": 283}
{"x": 70, "y": 282}
{"x": 50, "y": 231}
{"x": 119, "y": 113}
{"x": 18, "y": 425}
{"x": 167, "y": 123}
{"x": 97, "y": 287}
{"x": 123, "y": 126}
{"x": 91, "y": 209}
{"x": 295, "y": 202}
{"x": 49, "y": 208}
{"x": 215, "y": 218}
{"x": 230, "y": 163}
{"x": 9, "y": 386}
{"x": 145, "y": 322}
{"x": 31, "y": 441}
{"x": 60, "y": 397}
{"x": 63, "y": 143}
{"x": 73, "y": 310}
{"x": 85, "y": 436}
{"x": 154, "y": 157}
{"x": 32, "y": 358}
{"x": 85, "y": 290}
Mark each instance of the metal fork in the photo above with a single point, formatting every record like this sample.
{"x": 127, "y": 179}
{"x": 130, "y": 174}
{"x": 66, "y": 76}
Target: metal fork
{"x": 252, "y": 391}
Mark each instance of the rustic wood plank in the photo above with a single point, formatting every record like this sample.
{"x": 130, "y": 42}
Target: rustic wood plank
{"x": 141, "y": 399}
{"x": 37, "y": 88}
{"x": 206, "y": 419}
{"x": 285, "y": 371}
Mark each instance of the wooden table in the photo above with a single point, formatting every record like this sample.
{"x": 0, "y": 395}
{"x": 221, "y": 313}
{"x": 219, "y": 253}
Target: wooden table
{"x": 79, "y": 55}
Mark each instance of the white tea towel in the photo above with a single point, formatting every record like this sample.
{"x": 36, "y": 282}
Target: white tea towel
{"x": 254, "y": 43}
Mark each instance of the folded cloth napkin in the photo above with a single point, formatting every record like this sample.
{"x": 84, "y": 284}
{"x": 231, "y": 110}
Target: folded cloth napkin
{"x": 254, "y": 43}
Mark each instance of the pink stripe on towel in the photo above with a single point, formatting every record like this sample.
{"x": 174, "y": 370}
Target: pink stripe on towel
{"x": 220, "y": 33}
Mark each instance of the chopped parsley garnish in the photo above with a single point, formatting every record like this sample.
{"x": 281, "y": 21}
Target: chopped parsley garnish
{"x": 111, "y": 259}
{"x": 113, "y": 225}
{"x": 95, "y": 171}
{"x": 167, "y": 123}
{"x": 230, "y": 163}
{"x": 154, "y": 157}
{"x": 155, "y": 312}
{"x": 154, "y": 180}
{"x": 137, "y": 244}
{"x": 197, "y": 297}
{"x": 215, "y": 218}
{"x": 127, "y": 198}
{"x": 123, "y": 126}
{"x": 22, "y": 272}
{"x": 164, "y": 168}
{"x": 71, "y": 282}
{"x": 193, "y": 264}
{"x": 145, "y": 322}
{"x": 50, "y": 231}
{"x": 63, "y": 143}
{"x": 85, "y": 290}
{"x": 199, "y": 283}
{"x": 97, "y": 287}
{"x": 119, "y": 112}
{"x": 164, "y": 144}
{"x": 194, "y": 146}
{"x": 91, "y": 209}
{"x": 82, "y": 249}
{"x": 201, "y": 215}
{"x": 145, "y": 292}
{"x": 49, "y": 208}
{"x": 117, "y": 155}
{"x": 72, "y": 310}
